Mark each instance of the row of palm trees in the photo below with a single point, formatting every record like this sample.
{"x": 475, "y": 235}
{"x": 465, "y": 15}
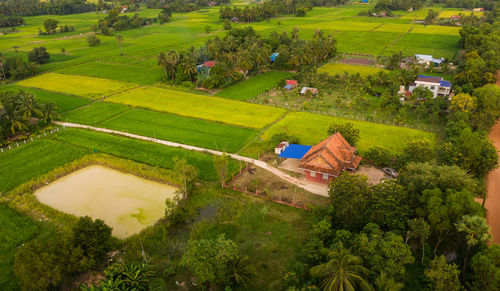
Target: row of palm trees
{"x": 17, "y": 109}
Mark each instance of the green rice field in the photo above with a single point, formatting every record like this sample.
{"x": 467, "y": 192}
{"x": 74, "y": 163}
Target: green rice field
{"x": 94, "y": 113}
{"x": 77, "y": 85}
{"x": 197, "y": 132}
{"x": 337, "y": 68}
{"x": 199, "y": 106}
{"x": 253, "y": 86}
{"x": 312, "y": 128}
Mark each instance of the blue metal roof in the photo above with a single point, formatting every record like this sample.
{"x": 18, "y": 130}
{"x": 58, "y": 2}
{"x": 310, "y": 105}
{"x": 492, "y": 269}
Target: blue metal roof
{"x": 444, "y": 84}
{"x": 288, "y": 87}
{"x": 295, "y": 151}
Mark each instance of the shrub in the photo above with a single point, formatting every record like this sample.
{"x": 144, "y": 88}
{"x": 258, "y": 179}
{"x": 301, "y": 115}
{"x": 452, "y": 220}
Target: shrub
{"x": 379, "y": 156}
{"x": 347, "y": 130}
{"x": 93, "y": 40}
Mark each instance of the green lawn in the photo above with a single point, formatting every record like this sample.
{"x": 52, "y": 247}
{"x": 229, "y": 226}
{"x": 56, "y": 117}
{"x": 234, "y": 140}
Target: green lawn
{"x": 253, "y": 86}
{"x": 312, "y": 128}
{"x": 199, "y": 106}
{"x": 16, "y": 230}
{"x": 197, "y": 132}
{"x": 77, "y": 85}
{"x": 337, "y": 68}
{"x": 95, "y": 113}
{"x": 33, "y": 159}
{"x": 63, "y": 102}
{"x": 140, "y": 151}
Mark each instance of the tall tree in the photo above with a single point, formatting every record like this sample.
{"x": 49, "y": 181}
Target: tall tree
{"x": 220, "y": 163}
{"x": 476, "y": 231}
{"x": 119, "y": 38}
{"x": 419, "y": 229}
{"x": 343, "y": 271}
{"x": 186, "y": 175}
{"x": 444, "y": 276}
{"x": 49, "y": 112}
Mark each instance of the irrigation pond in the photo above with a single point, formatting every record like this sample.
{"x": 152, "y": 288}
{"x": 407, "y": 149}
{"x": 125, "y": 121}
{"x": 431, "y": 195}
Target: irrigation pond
{"x": 125, "y": 202}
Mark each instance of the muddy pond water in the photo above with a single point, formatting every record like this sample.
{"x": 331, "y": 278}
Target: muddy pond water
{"x": 125, "y": 202}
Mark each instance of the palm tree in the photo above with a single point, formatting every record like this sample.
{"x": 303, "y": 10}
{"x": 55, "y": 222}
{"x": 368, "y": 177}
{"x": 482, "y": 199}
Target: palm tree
{"x": 162, "y": 61}
{"x": 49, "y": 112}
{"x": 172, "y": 59}
{"x": 343, "y": 271}
{"x": 119, "y": 38}
{"x": 384, "y": 283}
{"x": 14, "y": 120}
{"x": 476, "y": 231}
{"x": 241, "y": 272}
{"x": 27, "y": 105}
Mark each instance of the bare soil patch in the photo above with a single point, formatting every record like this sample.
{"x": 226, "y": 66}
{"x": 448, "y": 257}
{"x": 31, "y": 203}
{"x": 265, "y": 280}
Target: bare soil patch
{"x": 492, "y": 203}
{"x": 374, "y": 175}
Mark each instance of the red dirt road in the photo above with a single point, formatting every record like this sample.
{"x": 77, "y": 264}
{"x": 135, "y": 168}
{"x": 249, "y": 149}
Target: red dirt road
{"x": 492, "y": 203}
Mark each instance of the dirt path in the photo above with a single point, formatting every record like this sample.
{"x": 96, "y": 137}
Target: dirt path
{"x": 492, "y": 203}
{"x": 299, "y": 183}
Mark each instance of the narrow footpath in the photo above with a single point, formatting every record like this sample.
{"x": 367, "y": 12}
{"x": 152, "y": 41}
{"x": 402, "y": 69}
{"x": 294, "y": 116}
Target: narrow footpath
{"x": 492, "y": 203}
{"x": 302, "y": 184}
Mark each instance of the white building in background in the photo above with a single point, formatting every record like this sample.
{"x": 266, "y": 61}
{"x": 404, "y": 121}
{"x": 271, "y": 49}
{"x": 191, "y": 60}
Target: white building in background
{"x": 436, "y": 85}
{"x": 428, "y": 60}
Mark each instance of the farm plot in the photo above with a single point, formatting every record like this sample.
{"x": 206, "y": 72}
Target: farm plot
{"x": 121, "y": 72}
{"x": 334, "y": 69}
{"x": 36, "y": 158}
{"x": 199, "y": 106}
{"x": 16, "y": 229}
{"x": 77, "y": 85}
{"x": 181, "y": 129}
{"x": 143, "y": 152}
{"x": 253, "y": 86}
{"x": 95, "y": 113}
{"x": 63, "y": 102}
{"x": 450, "y": 13}
{"x": 311, "y": 128}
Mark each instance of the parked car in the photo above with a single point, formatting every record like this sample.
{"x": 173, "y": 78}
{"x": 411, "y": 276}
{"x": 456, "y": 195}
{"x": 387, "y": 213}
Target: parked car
{"x": 390, "y": 172}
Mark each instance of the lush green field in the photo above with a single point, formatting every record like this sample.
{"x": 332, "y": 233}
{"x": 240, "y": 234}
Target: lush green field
{"x": 33, "y": 159}
{"x": 95, "y": 113}
{"x": 181, "y": 129}
{"x": 63, "y": 102}
{"x": 337, "y": 68}
{"x": 199, "y": 106}
{"x": 311, "y": 128}
{"x": 77, "y": 85}
{"x": 142, "y": 75}
{"x": 253, "y": 86}
{"x": 140, "y": 151}
{"x": 16, "y": 229}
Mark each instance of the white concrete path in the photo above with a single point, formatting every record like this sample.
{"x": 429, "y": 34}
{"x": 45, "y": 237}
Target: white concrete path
{"x": 311, "y": 187}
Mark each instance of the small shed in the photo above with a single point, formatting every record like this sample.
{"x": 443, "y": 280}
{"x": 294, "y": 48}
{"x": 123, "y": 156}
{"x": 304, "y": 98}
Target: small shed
{"x": 288, "y": 87}
{"x": 273, "y": 57}
{"x": 281, "y": 147}
{"x": 304, "y": 91}
{"x": 295, "y": 151}
{"x": 292, "y": 83}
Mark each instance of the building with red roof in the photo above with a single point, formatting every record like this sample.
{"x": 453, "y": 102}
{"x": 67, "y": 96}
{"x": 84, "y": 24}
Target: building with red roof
{"x": 329, "y": 158}
{"x": 292, "y": 83}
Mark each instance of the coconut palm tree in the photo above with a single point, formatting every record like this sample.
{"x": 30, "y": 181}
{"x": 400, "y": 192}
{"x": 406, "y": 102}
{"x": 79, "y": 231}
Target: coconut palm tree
{"x": 49, "y": 112}
{"x": 27, "y": 104}
{"x": 172, "y": 59}
{"x": 119, "y": 38}
{"x": 384, "y": 283}
{"x": 343, "y": 271}
{"x": 13, "y": 119}
{"x": 476, "y": 231}
{"x": 241, "y": 271}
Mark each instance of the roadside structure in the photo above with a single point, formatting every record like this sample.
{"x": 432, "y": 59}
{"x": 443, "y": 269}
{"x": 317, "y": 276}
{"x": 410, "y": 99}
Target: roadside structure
{"x": 436, "y": 85}
{"x": 306, "y": 90}
{"x": 329, "y": 158}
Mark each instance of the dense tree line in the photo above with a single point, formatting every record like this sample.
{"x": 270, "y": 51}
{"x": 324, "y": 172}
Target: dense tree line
{"x": 116, "y": 22}
{"x": 11, "y": 20}
{"x": 241, "y": 52}
{"x": 183, "y": 5}
{"x": 15, "y": 67}
{"x": 37, "y": 7}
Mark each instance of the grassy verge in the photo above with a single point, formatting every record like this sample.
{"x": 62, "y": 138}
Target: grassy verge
{"x": 254, "y": 86}
{"x": 199, "y": 106}
{"x": 181, "y": 129}
{"x": 77, "y": 85}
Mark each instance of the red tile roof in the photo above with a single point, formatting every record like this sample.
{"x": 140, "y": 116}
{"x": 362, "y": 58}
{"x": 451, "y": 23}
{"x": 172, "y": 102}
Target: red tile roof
{"x": 291, "y": 82}
{"x": 331, "y": 156}
{"x": 209, "y": 64}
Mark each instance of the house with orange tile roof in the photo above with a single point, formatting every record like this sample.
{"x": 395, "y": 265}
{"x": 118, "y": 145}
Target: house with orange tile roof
{"x": 328, "y": 159}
